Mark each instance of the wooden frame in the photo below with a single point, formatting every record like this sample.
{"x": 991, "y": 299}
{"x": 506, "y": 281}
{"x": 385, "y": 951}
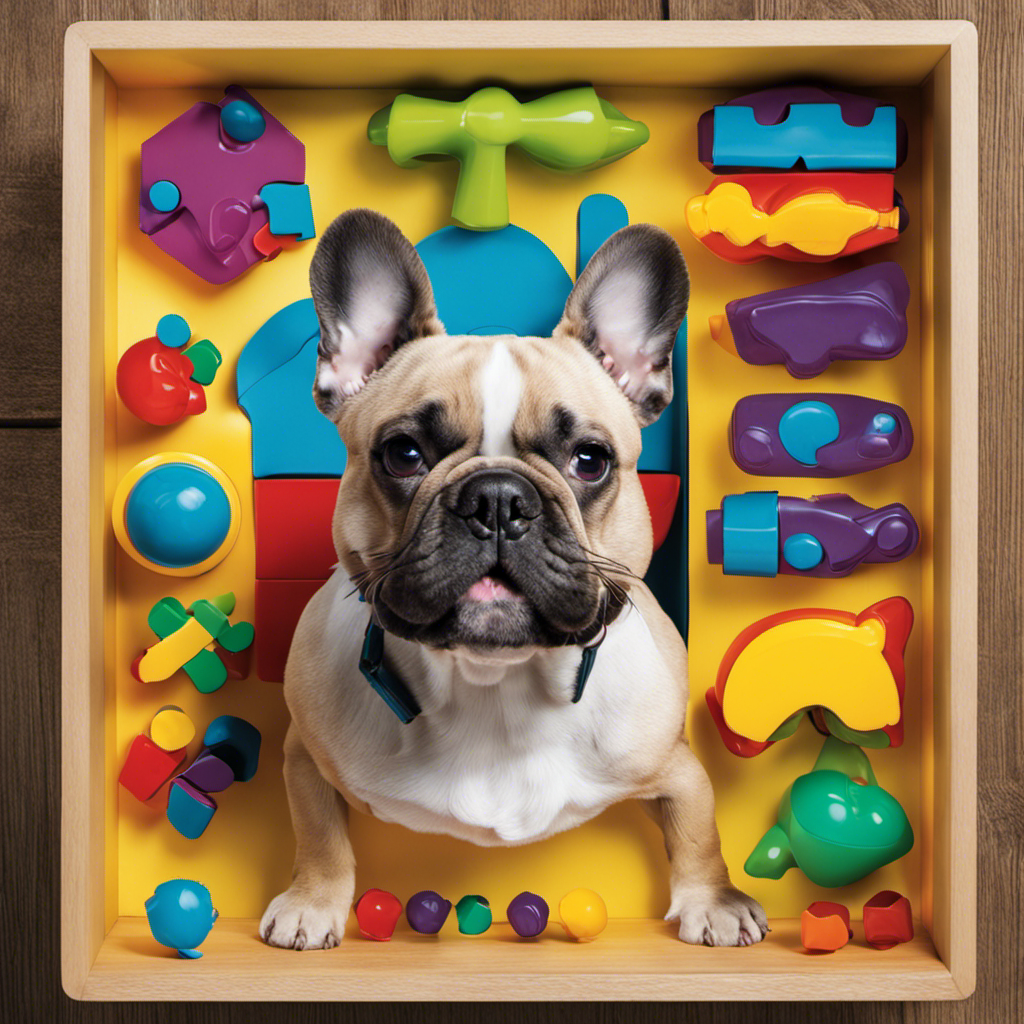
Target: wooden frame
{"x": 102, "y": 962}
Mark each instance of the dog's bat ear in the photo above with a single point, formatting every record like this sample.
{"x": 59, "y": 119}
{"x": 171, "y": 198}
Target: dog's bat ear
{"x": 626, "y": 308}
{"x": 371, "y": 294}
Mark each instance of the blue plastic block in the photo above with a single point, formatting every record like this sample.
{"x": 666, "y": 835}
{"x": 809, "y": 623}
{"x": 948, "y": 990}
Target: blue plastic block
{"x": 290, "y": 436}
{"x": 802, "y": 551}
{"x": 173, "y": 330}
{"x": 164, "y": 196}
{"x": 806, "y": 427}
{"x": 289, "y": 209}
{"x": 482, "y": 278}
{"x": 813, "y": 132}
{"x": 188, "y": 809}
{"x": 750, "y": 534}
{"x": 597, "y": 219}
{"x": 236, "y": 742}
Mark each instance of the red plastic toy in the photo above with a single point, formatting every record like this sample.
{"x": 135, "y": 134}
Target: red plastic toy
{"x": 378, "y": 912}
{"x": 147, "y": 767}
{"x": 825, "y": 927}
{"x": 888, "y": 920}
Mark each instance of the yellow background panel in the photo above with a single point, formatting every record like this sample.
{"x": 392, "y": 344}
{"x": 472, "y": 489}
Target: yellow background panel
{"x": 245, "y": 856}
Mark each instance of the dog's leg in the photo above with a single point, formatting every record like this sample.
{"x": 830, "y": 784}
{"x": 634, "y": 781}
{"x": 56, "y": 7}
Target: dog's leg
{"x": 709, "y": 909}
{"x": 313, "y": 912}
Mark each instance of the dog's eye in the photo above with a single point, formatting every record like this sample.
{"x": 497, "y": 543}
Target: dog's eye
{"x": 402, "y": 458}
{"x": 590, "y": 462}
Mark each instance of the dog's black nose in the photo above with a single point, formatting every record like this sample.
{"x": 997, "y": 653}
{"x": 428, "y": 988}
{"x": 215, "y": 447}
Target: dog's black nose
{"x": 497, "y": 501}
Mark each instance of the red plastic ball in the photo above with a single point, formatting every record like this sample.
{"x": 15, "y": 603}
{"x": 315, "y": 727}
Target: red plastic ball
{"x": 154, "y": 382}
{"x": 378, "y": 912}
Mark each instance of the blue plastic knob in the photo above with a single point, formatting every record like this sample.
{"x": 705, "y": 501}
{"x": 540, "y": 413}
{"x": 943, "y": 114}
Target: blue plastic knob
{"x": 164, "y": 196}
{"x": 802, "y": 551}
{"x": 883, "y": 423}
{"x": 806, "y": 427}
{"x": 242, "y": 121}
{"x": 173, "y": 330}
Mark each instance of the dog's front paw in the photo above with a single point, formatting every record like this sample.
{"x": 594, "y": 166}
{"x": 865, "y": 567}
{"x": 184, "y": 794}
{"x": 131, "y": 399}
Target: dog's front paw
{"x": 300, "y": 919}
{"x": 717, "y": 917}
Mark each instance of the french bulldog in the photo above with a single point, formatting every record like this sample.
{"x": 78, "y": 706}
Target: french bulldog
{"x": 492, "y": 536}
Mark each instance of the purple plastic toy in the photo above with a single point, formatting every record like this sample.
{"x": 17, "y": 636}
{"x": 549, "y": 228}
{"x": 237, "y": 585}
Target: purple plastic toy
{"x": 772, "y": 107}
{"x": 200, "y": 186}
{"x": 826, "y": 536}
{"x": 818, "y": 435}
{"x": 528, "y": 915}
{"x": 860, "y": 315}
{"x": 426, "y": 911}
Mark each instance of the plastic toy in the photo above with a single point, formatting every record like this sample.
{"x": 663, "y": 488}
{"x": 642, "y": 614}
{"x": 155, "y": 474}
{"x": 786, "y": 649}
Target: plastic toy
{"x": 801, "y": 217}
{"x": 474, "y": 915}
{"x": 202, "y": 176}
{"x": 584, "y": 914}
{"x": 235, "y": 741}
{"x": 528, "y": 915}
{"x": 860, "y": 315}
{"x": 888, "y": 920}
{"x": 279, "y": 604}
{"x": 761, "y": 534}
{"x": 189, "y": 809}
{"x": 792, "y": 661}
{"x": 427, "y": 911}
{"x": 176, "y": 513}
{"x": 825, "y": 927}
{"x": 148, "y": 766}
{"x": 171, "y": 729}
{"x": 570, "y": 130}
{"x": 834, "y": 823}
{"x": 162, "y": 385}
{"x": 290, "y": 209}
{"x": 185, "y": 636}
{"x": 377, "y": 913}
{"x": 819, "y": 435}
{"x": 270, "y": 245}
{"x": 180, "y": 914}
{"x": 209, "y": 773}
{"x": 799, "y": 124}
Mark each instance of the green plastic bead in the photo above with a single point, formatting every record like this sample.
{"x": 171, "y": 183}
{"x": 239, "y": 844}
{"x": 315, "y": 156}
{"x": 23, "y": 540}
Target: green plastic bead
{"x": 474, "y": 914}
{"x": 570, "y": 130}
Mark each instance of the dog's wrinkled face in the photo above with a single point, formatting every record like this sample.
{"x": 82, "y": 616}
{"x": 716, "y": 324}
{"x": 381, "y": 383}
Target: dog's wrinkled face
{"x": 490, "y": 499}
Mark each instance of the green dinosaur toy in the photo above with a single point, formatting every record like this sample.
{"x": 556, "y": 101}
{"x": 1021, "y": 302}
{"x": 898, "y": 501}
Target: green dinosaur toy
{"x": 570, "y": 130}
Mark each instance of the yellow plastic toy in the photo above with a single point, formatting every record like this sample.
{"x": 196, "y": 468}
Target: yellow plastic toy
{"x": 163, "y": 659}
{"x": 850, "y": 667}
{"x": 584, "y": 914}
{"x": 171, "y": 729}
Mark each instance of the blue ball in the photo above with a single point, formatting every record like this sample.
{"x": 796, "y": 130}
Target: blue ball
{"x": 242, "y": 121}
{"x": 173, "y": 330}
{"x": 177, "y": 515}
{"x": 181, "y": 914}
{"x": 164, "y": 196}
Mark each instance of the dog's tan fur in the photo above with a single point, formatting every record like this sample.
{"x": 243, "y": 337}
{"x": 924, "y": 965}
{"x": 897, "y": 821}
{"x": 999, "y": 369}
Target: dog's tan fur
{"x": 631, "y": 732}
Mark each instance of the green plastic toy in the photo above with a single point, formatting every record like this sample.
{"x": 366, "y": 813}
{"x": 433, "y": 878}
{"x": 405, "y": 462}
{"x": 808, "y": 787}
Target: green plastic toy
{"x": 474, "y": 914}
{"x": 835, "y": 823}
{"x": 570, "y": 130}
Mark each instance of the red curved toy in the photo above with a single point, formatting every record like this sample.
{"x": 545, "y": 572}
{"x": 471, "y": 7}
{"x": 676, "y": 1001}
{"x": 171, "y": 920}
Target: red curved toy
{"x": 154, "y": 382}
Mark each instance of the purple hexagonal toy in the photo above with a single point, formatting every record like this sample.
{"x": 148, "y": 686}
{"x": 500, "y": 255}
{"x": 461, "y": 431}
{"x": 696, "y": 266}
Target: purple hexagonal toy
{"x": 859, "y": 315}
{"x": 199, "y": 199}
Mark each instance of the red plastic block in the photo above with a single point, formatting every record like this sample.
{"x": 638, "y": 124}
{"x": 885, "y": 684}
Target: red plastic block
{"x": 293, "y": 528}
{"x": 825, "y": 927}
{"x": 888, "y": 920}
{"x": 279, "y": 603}
{"x": 147, "y": 767}
{"x": 662, "y": 493}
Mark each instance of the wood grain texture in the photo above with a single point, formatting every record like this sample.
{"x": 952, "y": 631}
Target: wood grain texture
{"x": 31, "y": 40}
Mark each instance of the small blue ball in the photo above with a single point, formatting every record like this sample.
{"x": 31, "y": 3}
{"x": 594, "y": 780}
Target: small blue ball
{"x": 802, "y": 551}
{"x": 242, "y": 121}
{"x": 883, "y": 423}
{"x": 177, "y": 515}
{"x": 173, "y": 330}
{"x": 164, "y": 196}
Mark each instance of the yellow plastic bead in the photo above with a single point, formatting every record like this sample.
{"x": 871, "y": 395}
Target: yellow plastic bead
{"x": 171, "y": 728}
{"x": 583, "y": 913}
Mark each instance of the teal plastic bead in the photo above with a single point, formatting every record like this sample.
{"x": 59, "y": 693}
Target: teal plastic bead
{"x": 474, "y": 914}
{"x": 164, "y": 196}
{"x": 802, "y": 551}
{"x": 883, "y": 423}
{"x": 173, "y": 330}
{"x": 242, "y": 121}
{"x": 806, "y": 427}
{"x": 181, "y": 914}
{"x": 750, "y": 534}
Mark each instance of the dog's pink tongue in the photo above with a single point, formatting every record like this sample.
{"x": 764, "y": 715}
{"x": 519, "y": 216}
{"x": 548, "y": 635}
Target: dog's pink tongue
{"x": 489, "y": 589}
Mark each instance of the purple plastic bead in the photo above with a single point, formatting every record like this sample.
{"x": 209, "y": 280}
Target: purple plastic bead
{"x": 427, "y": 911}
{"x": 218, "y": 178}
{"x": 771, "y": 106}
{"x": 834, "y": 529}
{"x": 528, "y": 915}
{"x": 209, "y": 773}
{"x": 843, "y": 434}
{"x": 860, "y": 315}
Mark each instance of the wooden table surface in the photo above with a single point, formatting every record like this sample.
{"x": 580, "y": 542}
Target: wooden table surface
{"x": 31, "y": 35}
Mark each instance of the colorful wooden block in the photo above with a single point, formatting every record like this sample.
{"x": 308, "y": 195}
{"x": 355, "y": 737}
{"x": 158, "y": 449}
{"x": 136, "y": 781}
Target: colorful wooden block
{"x": 147, "y": 767}
{"x": 188, "y": 809}
{"x": 279, "y": 604}
{"x": 235, "y": 741}
{"x": 171, "y": 729}
{"x": 293, "y": 528}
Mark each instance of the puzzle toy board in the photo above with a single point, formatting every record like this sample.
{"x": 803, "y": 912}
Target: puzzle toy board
{"x": 245, "y": 856}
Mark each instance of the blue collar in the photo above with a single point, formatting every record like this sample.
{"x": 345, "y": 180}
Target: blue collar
{"x": 399, "y": 697}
